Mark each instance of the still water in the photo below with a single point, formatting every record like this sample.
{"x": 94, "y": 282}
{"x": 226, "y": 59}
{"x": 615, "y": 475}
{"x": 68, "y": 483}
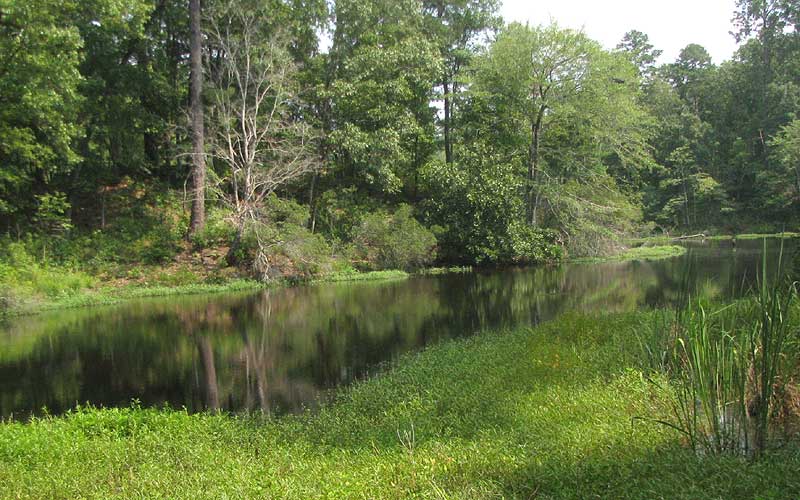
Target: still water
{"x": 284, "y": 350}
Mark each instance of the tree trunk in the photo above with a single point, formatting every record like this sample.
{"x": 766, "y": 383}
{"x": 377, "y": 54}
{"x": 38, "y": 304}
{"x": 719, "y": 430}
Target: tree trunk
{"x": 448, "y": 139}
{"x": 196, "y": 97}
{"x": 312, "y": 202}
{"x": 686, "y": 201}
{"x": 533, "y": 167}
{"x": 797, "y": 180}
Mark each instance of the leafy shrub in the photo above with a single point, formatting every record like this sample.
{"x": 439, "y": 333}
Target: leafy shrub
{"x": 393, "y": 241}
{"x": 220, "y": 228}
{"x": 309, "y": 253}
{"x": 478, "y": 213}
{"x": 341, "y": 211}
{"x": 533, "y": 244}
{"x": 21, "y": 275}
{"x": 179, "y": 277}
{"x": 51, "y": 213}
{"x": 280, "y": 244}
{"x": 156, "y": 246}
{"x": 591, "y": 218}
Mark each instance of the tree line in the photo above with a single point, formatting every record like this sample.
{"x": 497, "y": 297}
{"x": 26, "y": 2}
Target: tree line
{"x": 424, "y": 125}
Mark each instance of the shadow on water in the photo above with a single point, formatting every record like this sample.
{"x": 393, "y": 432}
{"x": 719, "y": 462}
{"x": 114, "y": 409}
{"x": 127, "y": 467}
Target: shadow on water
{"x": 282, "y": 350}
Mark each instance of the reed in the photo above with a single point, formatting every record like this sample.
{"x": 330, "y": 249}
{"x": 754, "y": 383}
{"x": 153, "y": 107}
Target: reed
{"x": 731, "y": 367}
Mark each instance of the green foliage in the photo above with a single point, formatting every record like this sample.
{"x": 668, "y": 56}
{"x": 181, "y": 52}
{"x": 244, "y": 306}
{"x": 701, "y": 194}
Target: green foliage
{"x": 39, "y": 80}
{"x": 51, "y": 213}
{"x": 733, "y": 369}
{"x": 637, "y": 48}
{"x": 547, "y": 128}
{"x": 219, "y": 229}
{"x": 393, "y": 241}
{"x": 568, "y": 127}
{"x": 340, "y": 212}
{"x": 23, "y": 278}
{"x": 477, "y": 212}
{"x": 782, "y": 182}
{"x": 379, "y": 84}
{"x": 281, "y": 245}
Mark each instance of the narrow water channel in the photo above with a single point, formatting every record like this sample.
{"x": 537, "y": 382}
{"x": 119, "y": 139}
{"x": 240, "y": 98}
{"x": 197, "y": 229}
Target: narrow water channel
{"x": 283, "y": 350}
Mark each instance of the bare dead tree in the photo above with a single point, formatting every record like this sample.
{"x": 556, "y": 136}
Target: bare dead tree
{"x": 259, "y": 132}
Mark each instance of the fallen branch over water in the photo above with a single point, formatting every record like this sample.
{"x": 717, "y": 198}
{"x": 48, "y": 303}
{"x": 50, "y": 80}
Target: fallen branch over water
{"x": 699, "y": 235}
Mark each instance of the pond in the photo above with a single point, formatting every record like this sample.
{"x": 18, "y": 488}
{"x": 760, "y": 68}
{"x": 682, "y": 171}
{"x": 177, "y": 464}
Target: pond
{"x": 283, "y": 350}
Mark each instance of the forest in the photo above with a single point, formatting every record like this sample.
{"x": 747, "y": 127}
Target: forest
{"x": 304, "y": 137}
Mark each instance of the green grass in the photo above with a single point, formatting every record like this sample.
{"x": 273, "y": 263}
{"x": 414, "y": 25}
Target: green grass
{"x": 435, "y": 271}
{"x": 665, "y": 240}
{"x": 353, "y": 275}
{"x": 110, "y": 296}
{"x": 639, "y": 253}
{"x": 531, "y": 413}
{"x": 753, "y": 236}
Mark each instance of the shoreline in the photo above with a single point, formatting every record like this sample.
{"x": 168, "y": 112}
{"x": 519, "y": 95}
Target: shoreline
{"x": 660, "y": 240}
{"x": 113, "y": 296}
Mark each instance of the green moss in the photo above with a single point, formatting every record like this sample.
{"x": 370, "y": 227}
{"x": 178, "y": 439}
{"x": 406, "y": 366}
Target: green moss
{"x": 546, "y": 412}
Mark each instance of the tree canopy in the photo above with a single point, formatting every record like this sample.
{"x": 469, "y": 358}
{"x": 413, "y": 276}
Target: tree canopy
{"x": 508, "y": 143}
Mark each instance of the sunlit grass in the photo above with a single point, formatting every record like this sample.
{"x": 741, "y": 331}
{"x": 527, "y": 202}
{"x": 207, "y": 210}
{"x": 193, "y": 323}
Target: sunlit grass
{"x": 639, "y": 253}
{"x": 353, "y": 275}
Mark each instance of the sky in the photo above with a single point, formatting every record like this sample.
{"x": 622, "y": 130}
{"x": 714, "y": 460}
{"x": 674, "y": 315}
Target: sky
{"x": 670, "y": 24}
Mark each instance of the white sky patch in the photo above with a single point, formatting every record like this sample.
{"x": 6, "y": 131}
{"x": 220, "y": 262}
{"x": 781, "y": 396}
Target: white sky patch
{"x": 671, "y": 25}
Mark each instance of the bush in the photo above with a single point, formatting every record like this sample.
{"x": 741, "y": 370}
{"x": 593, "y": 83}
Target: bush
{"x": 479, "y": 214}
{"x": 341, "y": 211}
{"x": 22, "y": 276}
{"x": 280, "y": 244}
{"x": 157, "y": 246}
{"x": 533, "y": 244}
{"x": 393, "y": 241}
{"x": 220, "y": 229}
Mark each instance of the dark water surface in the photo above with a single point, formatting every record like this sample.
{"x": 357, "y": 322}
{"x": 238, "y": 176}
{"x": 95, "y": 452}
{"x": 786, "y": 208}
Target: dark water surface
{"x": 282, "y": 350}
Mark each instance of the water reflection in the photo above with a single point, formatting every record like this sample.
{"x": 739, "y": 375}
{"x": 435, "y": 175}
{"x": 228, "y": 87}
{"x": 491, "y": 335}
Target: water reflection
{"x": 281, "y": 350}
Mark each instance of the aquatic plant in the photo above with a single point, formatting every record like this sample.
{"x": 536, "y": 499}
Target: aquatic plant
{"x": 731, "y": 367}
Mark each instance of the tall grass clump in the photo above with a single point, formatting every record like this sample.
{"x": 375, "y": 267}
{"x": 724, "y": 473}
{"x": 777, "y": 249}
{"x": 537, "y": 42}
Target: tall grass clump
{"x": 732, "y": 368}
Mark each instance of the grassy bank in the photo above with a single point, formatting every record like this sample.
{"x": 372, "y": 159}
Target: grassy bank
{"x": 88, "y": 294}
{"x": 639, "y": 253}
{"x": 362, "y": 276}
{"x": 110, "y": 295}
{"x": 115, "y": 295}
{"x": 532, "y": 413}
{"x": 666, "y": 240}
{"x": 755, "y": 236}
